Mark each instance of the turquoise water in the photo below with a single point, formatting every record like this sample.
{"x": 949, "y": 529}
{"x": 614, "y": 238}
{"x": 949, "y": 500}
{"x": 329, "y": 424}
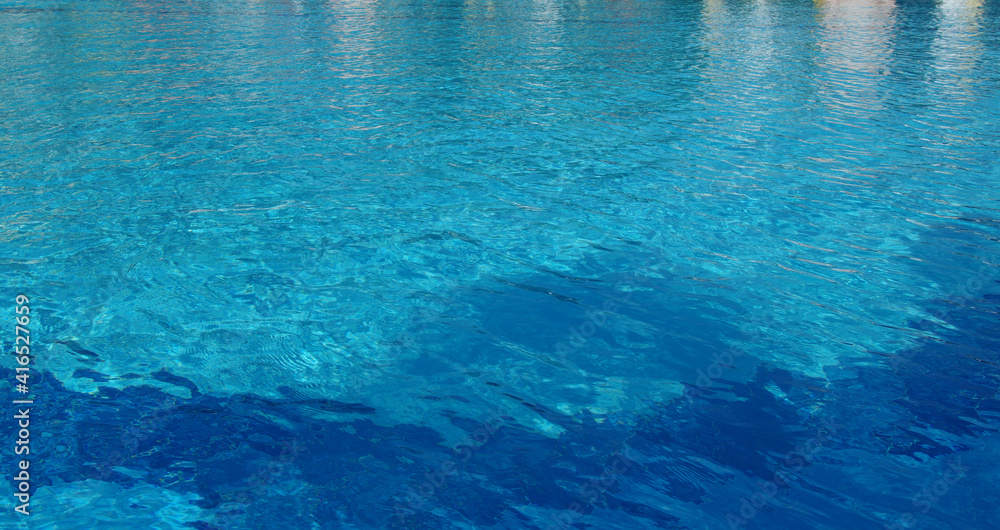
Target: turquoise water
{"x": 512, "y": 264}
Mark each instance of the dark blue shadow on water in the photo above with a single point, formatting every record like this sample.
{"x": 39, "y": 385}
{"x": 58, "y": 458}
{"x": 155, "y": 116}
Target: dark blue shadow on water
{"x": 271, "y": 463}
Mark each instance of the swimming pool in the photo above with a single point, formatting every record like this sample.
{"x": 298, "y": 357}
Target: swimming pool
{"x": 482, "y": 264}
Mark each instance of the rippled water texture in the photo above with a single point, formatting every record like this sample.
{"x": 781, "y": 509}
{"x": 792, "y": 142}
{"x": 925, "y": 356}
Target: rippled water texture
{"x": 504, "y": 264}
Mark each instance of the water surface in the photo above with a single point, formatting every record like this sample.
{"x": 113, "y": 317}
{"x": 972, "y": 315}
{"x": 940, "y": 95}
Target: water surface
{"x": 506, "y": 264}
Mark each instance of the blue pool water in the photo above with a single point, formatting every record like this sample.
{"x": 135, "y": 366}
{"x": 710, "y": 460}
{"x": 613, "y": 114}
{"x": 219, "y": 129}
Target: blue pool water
{"x": 503, "y": 264}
